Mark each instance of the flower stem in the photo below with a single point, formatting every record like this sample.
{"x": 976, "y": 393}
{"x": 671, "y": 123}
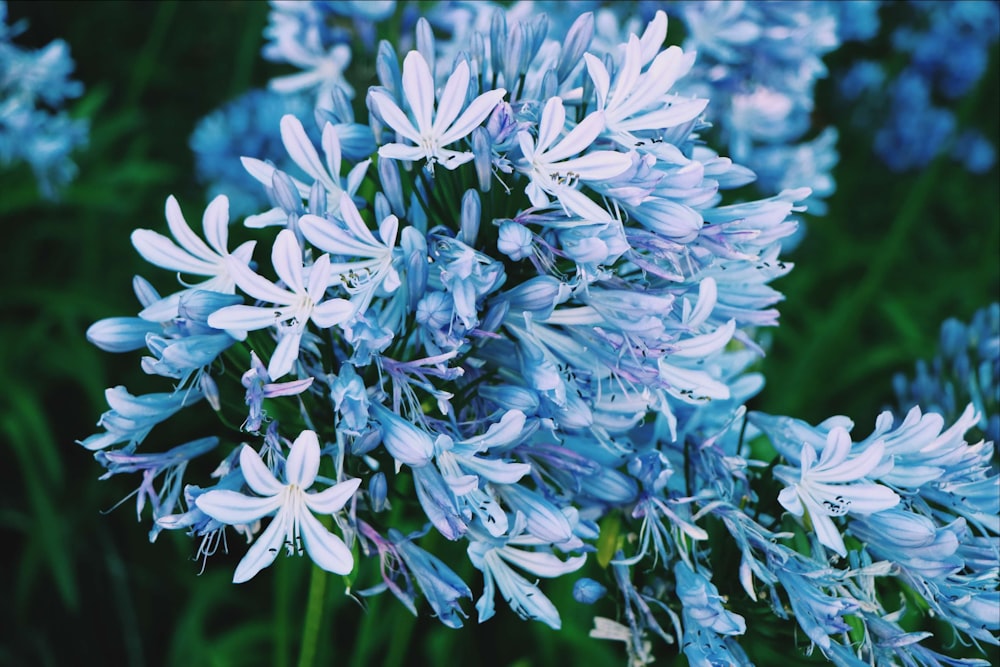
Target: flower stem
{"x": 314, "y": 616}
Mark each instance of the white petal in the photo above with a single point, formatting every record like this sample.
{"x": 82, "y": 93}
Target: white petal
{"x": 332, "y": 312}
{"x": 157, "y": 249}
{"x": 265, "y": 549}
{"x": 827, "y": 531}
{"x": 474, "y": 114}
{"x": 259, "y": 169}
{"x": 394, "y": 116}
{"x": 596, "y": 166}
{"x": 495, "y": 470}
{"x": 182, "y": 232}
{"x": 234, "y": 508}
{"x": 257, "y": 475}
{"x": 579, "y": 138}
{"x": 259, "y": 287}
{"x": 452, "y": 98}
{"x": 319, "y": 278}
{"x": 331, "y": 149}
{"x": 418, "y": 86}
{"x": 270, "y": 218}
{"x": 301, "y": 149}
{"x": 286, "y": 256}
{"x": 216, "y": 224}
{"x": 789, "y": 499}
{"x": 244, "y": 318}
{"x": 552, "y": 123}
{"x": 303, "y": 460}
{"x": 599, "y": 74}
{"x": 326, "y": 549}
{"x": 401, "y": 152}
{"x": 355, "y": 223}
{"x": 285, "y": 354}
{"x": 334, "y": 498}
{"x": 541, "y": 563}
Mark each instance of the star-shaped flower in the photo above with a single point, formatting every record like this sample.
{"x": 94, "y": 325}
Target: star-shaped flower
{"x": 296, "y": 306}
{"x": 447, "y": 126}
{"x": 294, "y": 525}
{"x": 832, "y": 486}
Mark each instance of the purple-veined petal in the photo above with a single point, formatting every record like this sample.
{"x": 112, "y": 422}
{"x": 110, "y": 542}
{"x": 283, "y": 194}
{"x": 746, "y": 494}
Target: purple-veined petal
{"x": 265, "y": 549}
{"x": 233, "y": 508}
{"x": 326, "y": 549}
{"x": 418, "y": 86}
{"x": 334, "y": 498}
{"x": 303, "y": 460}
{"x": 257, "y": 475}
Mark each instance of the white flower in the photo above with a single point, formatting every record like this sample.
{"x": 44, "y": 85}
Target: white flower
{"x": 431, "y": 135}
{"x": 294, "y": 525}
{"x": 638, "y": 101}
{"x": 552, "y": 170}
{"x": 354, "y": 239}
{"x": 829, "y": 487}
{"x": 192, "y": 256}
{"x": 297, "y": 305}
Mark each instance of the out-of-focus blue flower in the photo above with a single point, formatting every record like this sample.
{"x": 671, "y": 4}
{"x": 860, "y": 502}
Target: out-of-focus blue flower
{"x": 34, "y": 85}
{"x": 244, "y": 127}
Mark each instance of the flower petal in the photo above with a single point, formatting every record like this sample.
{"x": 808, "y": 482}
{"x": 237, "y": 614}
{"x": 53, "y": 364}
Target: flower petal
{"x": 303, "y": 460}
{"x": 264, "y": 550}
{"x": 286, "y": 255}
{"x": 233, "y": 508}
{"x": 326, "y": 549}
{"x": 183, "y": 233}
{"x": 216, "y": 224}
{"x": 244, "y": 318}
{"x": 285, "y": 354}
{"x": 452, "y": 98}
{"x": 474, "y": 114}
{"x": 332, "y": 499}
{"x": 418, "y": 86}
{"x": 257, "y": 475}
{"x": 393, "y": 116}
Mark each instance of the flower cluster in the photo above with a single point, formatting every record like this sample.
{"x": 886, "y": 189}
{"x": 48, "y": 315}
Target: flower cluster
{"x": 524, "y": 318}
{"x": 946, "y": 48}
{"x": 34, "y": 85}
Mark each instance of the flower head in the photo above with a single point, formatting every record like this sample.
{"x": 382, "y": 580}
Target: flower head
{"x": 293, "y": 525}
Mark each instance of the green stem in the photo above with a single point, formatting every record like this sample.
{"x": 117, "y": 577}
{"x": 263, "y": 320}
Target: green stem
{"x": 314, "y": 616}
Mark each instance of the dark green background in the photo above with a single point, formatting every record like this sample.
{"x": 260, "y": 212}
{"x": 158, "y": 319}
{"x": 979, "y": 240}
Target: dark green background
{"x": 873, "y": 280}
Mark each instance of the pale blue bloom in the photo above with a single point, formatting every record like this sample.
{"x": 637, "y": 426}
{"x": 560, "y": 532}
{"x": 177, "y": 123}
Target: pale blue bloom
{"x": 258, "y": 385}
{"x": 191, "y": 255}
{"x": 131, "y": 418}
{"x": 293, "y": 525}
{"x": 436, "y": 126}
{"x": 34, "y": 85}
{"x": 294, "y": 307}
{"x": 834, "y": 484}
{"x": 171, "y": 464}
{"x": 494, "y": 558}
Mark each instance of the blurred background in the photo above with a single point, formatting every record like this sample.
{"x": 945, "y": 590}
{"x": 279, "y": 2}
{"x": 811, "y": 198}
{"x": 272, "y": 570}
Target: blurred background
{"x": 895, "y": 255}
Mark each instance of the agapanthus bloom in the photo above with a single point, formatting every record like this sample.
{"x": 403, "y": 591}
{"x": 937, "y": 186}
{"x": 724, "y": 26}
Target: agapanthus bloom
{"x": 293, "y": 525}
